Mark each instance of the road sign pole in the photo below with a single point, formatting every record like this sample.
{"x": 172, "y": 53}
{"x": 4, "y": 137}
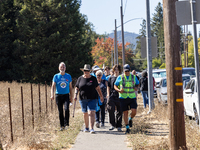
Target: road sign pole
{"x": 149, "y": 58}
{"x": 196, "y": 55}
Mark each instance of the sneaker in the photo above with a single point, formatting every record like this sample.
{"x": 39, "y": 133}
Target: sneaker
{"x": 119, "y": 129}
{"x": 111, "y": 128}
{"x": 92, "y": 131}
{"x": 97, "y": 125}
{"x": 127, "y": 131}
{"x": 102, "y": 125}
{"x": 130, "y": 122}
{"x": 62, "y": 128}
{"x": 66, "y": 127}
{"x": 86, "y": 130}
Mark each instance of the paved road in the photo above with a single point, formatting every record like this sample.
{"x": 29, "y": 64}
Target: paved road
{"x": 103, "y": 139}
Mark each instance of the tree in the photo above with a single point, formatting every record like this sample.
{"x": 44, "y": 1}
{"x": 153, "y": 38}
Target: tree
{"x": 158, "y": 29}
{"x": 191, "y": 61}
{"x": 9, "y": 59}
{"x": 51, "y": 32}
{"x": 103, "y": 49}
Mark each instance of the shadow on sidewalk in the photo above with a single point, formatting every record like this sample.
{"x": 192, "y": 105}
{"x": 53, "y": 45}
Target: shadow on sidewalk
{"x": 110, "y": 132}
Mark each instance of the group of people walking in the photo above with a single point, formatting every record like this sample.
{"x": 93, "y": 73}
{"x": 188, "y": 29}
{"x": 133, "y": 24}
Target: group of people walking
{"x": 99, "y": 92}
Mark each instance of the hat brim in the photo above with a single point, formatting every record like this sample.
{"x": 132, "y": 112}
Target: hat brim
{"x": 82, "y": 69}
{"x": 96, "y": 69}
{"x": 127, "y": 70}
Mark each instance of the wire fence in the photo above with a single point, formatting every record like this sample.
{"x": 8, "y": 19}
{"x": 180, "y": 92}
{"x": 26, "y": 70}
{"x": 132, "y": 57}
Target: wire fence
{"x": 23, "y": 108}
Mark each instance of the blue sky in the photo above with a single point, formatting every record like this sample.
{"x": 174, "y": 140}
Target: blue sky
{"x": 102, "y": 14}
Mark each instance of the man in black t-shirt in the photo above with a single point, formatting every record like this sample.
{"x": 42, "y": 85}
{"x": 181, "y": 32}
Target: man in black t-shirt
{"x": 113, "y": 101}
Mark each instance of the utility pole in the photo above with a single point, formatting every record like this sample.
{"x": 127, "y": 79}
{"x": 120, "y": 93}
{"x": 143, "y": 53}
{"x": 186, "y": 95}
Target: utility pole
{"x": 149, "y": 58}
{"x": 122, "y": 30}
{"x": 116, "y": 48}
{"x": 174, "y": 77}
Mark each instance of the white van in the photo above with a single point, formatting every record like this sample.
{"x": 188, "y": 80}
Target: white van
{"x": 158, "y": 74}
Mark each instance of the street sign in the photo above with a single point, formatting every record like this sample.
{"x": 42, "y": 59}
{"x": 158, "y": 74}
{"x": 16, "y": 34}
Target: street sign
{"x": 183, "y": 12}
{"x": 154, "y": 49}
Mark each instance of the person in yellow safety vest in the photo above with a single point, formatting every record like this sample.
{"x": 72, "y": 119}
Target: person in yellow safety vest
{"x": 126, "y": 85}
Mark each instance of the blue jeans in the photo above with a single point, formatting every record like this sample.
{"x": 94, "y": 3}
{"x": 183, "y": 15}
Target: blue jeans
{"x": 145, "y": 98}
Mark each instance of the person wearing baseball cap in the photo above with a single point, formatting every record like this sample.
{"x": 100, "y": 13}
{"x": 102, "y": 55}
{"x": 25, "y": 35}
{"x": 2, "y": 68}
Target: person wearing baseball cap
{"x": 126, "y": 85}
{"x": 95, "y": 69}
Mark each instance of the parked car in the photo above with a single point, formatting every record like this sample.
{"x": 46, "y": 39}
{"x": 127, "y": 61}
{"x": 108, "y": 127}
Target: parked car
{"x": 186, "y": 77}
{"x": 185, "y": 82}
{"x": 162, "y": 91}
{"x": 191, "y": 100}
{"x": 189, "y": 70}
{"x": 158, "y": 74}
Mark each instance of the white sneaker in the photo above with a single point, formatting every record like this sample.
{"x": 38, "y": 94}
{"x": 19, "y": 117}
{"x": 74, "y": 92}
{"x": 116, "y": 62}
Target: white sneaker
{"x": 92, "y": 131}
{"x": 111, "y": 128}
{"x": 86, "y": 130}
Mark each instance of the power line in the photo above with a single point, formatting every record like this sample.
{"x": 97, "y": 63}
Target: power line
{"x": 125, "y": 7}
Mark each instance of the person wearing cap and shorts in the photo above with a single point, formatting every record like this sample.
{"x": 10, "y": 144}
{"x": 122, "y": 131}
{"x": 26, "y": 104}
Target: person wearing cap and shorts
{"x": 62, "y": 82}
{"x": 87, "y": 86}
{"x": 126, "y": 85}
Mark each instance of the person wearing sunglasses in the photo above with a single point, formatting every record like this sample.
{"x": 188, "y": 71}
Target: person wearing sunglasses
{"x": 87, "y": 86}
{"x": 126, "y": 85}
{"x": 101, "y": 106}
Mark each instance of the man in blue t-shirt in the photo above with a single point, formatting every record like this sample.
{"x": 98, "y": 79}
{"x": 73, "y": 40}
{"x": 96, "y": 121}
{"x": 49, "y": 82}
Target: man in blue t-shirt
{"x": 62, "y": 82}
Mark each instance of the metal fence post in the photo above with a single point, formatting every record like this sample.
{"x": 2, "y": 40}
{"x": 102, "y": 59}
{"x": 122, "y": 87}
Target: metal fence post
{"x": 32, "y": 105}
{"x": 39, "y": 98}
{"x": 22, "y": 109}
{"x": 11, "y": 130}
{"x": 46, "y": 95}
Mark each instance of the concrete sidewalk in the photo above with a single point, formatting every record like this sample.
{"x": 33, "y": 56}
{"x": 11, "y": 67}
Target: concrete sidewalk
{"x": 103, "y": 139}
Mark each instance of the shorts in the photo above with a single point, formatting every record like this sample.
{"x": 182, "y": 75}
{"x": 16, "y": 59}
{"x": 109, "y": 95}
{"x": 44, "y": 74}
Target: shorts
{"x": 88, "y": 104}
{"x": 128, "y": 103}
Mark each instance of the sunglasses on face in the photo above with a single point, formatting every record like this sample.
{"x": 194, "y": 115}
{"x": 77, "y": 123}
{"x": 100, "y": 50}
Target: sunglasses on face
{"x": 127, "y": 71}
{"x": 98, "y": 75}
{"x": 86, "y": 70}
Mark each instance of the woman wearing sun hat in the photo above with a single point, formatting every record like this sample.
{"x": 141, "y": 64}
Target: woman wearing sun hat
{"x": 87, "y": 86}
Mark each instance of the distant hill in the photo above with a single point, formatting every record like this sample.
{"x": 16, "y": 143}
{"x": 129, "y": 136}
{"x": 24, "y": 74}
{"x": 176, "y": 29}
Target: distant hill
{"x": 128, "y": 37}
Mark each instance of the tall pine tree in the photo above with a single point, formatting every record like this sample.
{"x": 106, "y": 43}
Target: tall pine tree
{"x": 9, "y": 59}
{"x": 51, "y": 32}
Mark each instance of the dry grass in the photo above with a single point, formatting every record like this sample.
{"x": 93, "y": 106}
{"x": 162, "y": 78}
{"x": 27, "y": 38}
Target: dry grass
{"x": 46, "y": 134}
{"x": 151, "y": 131}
